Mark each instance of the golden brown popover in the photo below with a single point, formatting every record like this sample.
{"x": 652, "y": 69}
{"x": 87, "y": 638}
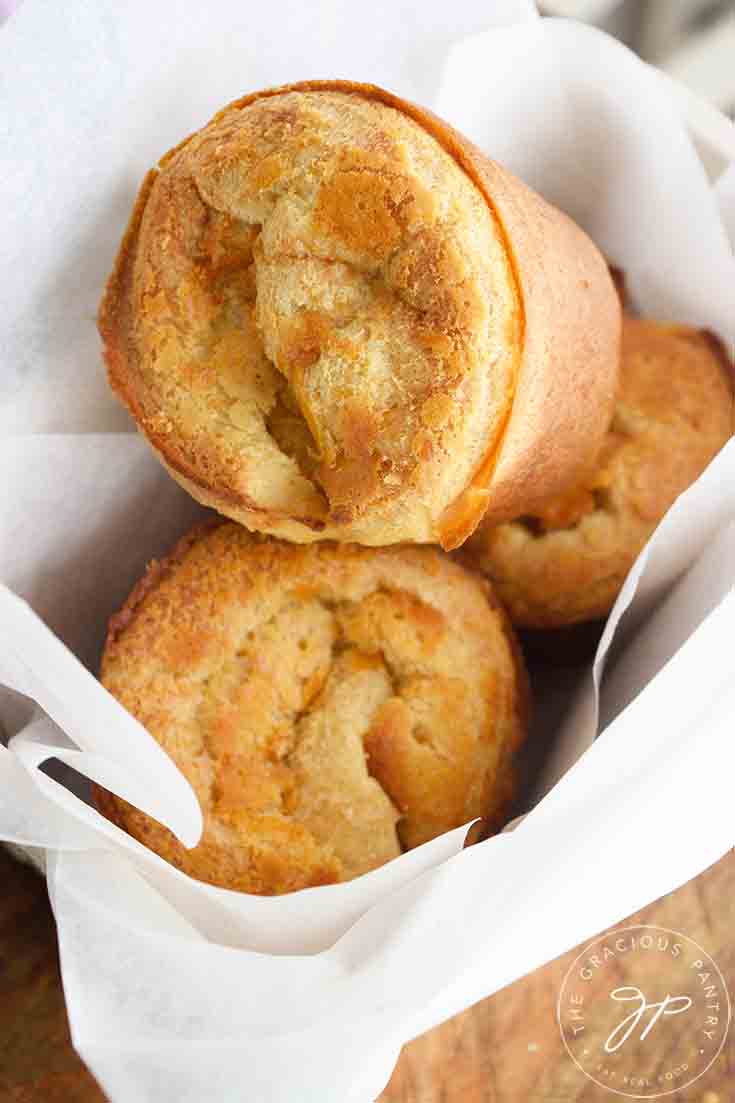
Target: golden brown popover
{"x": 331, "y": 705}
{"x": 333, "y": 317}
{"x": 566, "y": 562}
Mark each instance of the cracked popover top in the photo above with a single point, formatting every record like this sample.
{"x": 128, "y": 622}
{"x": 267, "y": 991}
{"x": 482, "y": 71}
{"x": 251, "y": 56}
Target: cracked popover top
{"x": 567, "y": 562}
{"x": 322, "y": 320}
{"x": 331, "y": 705}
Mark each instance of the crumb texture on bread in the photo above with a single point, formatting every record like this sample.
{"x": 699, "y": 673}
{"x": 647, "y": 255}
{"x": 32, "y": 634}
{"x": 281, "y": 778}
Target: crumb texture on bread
{"x": 674, "y": 411}
{"x": 330, "y": 705}
{"x": 315, "y": 321}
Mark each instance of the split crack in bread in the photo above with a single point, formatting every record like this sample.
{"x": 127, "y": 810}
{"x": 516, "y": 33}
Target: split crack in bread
{"x": 334, "y": 318}
{"x": 674, "y": 412}
{"x": 329, "y": 704}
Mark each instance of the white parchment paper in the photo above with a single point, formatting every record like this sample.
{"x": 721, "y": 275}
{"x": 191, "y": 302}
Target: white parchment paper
{"x": 181, "y": 992}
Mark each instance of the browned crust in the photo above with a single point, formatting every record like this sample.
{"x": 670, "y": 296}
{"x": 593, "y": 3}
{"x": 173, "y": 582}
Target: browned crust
{"x": 113, "y": 317}
{"x": 109, "y": 805}
{"x": 717, "y": 347}
{"x": 507, "y": 788}
{"x": 505, "y": 782}
{"x": 115, "y": 326}
{"x": 547, "y": 438}
{"x": 676, "y": 410}
{"x": 157, "y": 570}
{"x": 566, "y": 386}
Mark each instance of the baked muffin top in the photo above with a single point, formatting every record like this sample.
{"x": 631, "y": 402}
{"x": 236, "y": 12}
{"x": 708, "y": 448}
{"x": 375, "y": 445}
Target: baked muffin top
{"x": 674, "y": 412}
{"x": 314, "y": 319}
{"x": 330, "y": 705}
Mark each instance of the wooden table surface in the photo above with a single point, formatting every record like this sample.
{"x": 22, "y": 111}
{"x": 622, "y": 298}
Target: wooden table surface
{"x": 506, "y": 1049}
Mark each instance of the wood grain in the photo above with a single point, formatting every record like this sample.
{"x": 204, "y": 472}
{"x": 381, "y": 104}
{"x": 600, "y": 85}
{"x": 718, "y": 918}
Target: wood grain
{"x": 37, "y": 1062}
{"x": 506, "y": 1049}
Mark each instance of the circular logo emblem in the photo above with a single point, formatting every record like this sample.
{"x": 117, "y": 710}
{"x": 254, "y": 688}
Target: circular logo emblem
{"x": 643, "y": 1011}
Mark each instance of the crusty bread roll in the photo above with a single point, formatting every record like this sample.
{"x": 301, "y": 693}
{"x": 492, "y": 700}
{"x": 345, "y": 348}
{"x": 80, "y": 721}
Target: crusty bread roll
{"x": 333, "y": 317}
{"x": 566, "y": 563}
{"x": 330, "y": 705}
